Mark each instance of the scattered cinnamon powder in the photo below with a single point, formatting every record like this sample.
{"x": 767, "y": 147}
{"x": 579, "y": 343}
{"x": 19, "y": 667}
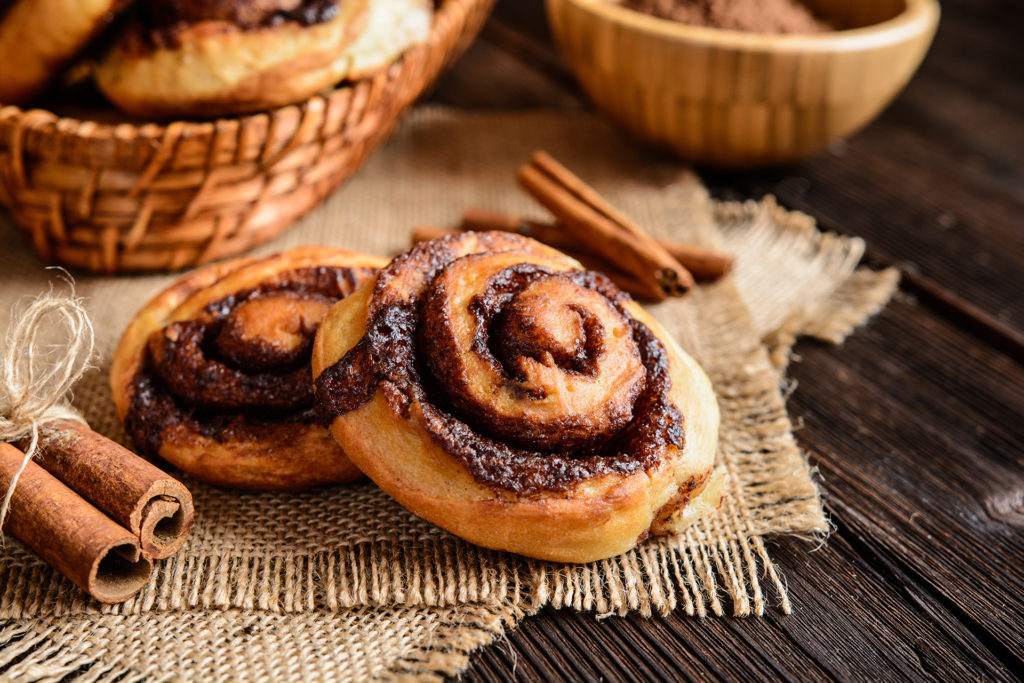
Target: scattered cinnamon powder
{"x": 755, "y": 16}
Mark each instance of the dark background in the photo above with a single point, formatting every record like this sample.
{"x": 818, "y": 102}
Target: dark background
{"x": 915, "y": 423}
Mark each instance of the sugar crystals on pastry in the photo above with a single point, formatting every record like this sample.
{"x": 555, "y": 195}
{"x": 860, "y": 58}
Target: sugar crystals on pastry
{"x": 213, "y": 374}
{"x": 493, "y": 387}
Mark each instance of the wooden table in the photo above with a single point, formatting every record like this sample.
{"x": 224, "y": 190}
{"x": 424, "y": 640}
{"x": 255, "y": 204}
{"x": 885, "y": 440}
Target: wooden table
{"x": 915, "y": 423}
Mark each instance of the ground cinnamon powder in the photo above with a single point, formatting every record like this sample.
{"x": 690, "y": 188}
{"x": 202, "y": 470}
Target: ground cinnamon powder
{"x": 755, "y": 16}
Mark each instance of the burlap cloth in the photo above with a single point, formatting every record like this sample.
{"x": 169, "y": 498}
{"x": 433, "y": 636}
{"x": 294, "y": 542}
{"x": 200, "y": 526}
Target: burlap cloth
{"x": 342, "y": 582}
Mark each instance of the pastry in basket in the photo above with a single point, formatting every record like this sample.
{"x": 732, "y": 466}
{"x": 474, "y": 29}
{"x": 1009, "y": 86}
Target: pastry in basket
{"x": 38, "y": 38}
{"x": 213, "y": 374}
{"x": 194, "y": 59}
{"x": 493, "y": 387}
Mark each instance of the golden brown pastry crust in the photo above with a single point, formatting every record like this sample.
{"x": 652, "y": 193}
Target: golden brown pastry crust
{"x": 535, "y": 335}
{"x": 39, "y": 37}
{"x": 269, "y": 440}
{"x": 217, "y": 67}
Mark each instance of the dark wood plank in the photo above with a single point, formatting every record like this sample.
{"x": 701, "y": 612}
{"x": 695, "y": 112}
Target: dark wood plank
{"x": 853, "y": 621}
{"x": 915, "y": 424}
{"x": 936, "y": 182}
{"x": 534, "y": 45}
{"x": 489, "y": 77}
{"x": 961, "y": 312}
{"x": 915, "y": 484}
{"x": 919, "y": 437}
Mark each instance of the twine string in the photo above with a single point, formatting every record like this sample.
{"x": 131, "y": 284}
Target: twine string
{"x": 46, "y": 350}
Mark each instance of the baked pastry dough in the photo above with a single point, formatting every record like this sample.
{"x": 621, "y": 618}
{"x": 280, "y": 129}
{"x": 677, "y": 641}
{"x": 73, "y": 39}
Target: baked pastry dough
{"x": 39, "y": 37}
{"x": 204, "y": 59}
{"x": 213, "y": 374}
{"x": 494, "y": 388}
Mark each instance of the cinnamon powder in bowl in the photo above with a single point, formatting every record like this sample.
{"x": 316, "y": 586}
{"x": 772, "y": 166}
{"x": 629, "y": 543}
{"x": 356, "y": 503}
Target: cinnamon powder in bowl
{"x": 742, "y": 83}
{"x": 754, "y": 16}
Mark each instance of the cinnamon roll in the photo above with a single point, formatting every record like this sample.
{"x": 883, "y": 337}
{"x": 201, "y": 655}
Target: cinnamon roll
{"x": 213, "y": 374}
{"x": 186, "y": 58}
{"x": 38, "y": 38}
{"x": 496, "y": 389}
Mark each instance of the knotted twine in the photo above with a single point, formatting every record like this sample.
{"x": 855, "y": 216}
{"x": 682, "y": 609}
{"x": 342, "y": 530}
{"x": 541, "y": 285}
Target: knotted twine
{"x": 46, "y": 350}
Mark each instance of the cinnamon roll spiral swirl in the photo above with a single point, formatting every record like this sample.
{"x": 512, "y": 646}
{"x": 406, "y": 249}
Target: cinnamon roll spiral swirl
{"x": 494, "y": 388}
{"x": 213, "y": 374}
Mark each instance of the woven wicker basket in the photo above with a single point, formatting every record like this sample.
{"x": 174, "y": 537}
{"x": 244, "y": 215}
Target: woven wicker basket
{"x": 115, "y": 198}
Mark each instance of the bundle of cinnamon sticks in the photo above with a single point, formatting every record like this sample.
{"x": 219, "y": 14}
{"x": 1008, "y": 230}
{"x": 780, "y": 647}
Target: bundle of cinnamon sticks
{"x": 591, "y": 230}
{"x": 92, "y": 509}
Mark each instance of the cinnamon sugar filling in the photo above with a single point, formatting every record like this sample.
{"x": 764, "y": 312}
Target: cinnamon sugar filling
{"x": 497, "y": 375}
{"x": 241, "y": 368}
{"x": 163, "y": 21}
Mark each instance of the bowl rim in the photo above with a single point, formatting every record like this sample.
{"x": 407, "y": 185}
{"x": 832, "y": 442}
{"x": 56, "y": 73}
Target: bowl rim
{"x": 916, "y": 17}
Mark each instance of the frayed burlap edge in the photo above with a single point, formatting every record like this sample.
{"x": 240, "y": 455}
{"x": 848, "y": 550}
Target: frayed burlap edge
{"x": 420, "y": 644}
{"x": 439, "y": 572}
{"x": 814, "y": 289}
{"x": 719, "y": 566}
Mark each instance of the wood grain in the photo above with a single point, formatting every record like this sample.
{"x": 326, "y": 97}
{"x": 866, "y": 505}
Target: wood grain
{"x": 915, "y": 422}
{"x": 743, "y": 99}
{"x": 935, "y": 482}
{"x": 836, "y": 634}
{"x": 955, "y": 144}
{"x": 882, "y": 596}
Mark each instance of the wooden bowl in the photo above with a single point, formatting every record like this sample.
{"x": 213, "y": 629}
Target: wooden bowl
{"x": 739, "y": 99}
{"x": 134, "y": 197}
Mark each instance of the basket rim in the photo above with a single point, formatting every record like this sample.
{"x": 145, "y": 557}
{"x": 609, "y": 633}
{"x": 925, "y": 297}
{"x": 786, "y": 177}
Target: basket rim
{"x": 37, "y": 118}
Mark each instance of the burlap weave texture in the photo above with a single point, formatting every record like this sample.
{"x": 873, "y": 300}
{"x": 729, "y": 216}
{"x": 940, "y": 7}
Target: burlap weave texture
{"x": 348, "y": 563}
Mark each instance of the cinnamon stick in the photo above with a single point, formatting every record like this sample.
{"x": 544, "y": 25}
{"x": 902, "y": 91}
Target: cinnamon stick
{"x": 593, "y": 230}
{"x": 600, "y": 227}
{"x": 427, "y": 233}
{"x": 627, "y": 282}
{"x": 706, "y": 265}
{"x": 623, "y": 280}
{"x": 551, "y": 234}
{"x": 72, "y": 536}
{"x": 139, "y": 496}
{"x": 483, "y": 220}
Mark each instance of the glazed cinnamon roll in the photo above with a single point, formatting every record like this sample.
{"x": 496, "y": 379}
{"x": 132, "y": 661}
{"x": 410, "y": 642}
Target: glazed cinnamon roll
{"x": 496, "y": 389}
{"x": 213, "y": 374}
{"x": 192, "y": 59}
